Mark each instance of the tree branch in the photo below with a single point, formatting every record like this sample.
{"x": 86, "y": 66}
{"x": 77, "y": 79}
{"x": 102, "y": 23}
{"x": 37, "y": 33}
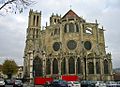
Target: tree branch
{"x": 15, "y": 5}
{"x": 8, "y": 2}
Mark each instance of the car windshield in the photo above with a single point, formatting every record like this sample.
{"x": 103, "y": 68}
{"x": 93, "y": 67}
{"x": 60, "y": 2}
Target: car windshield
{"x": 76, "y": 82}
{"x": 18, "y": 81}
{"x": 1, "y": 80}
{"x": 69, "y": 82}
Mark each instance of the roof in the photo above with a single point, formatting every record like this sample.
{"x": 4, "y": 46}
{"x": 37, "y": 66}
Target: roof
{"x": 70, "y": 14}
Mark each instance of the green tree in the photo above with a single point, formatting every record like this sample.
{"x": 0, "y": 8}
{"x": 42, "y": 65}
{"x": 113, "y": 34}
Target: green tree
{"x": 14, "y": 5}
{"x": 9, "y": 68}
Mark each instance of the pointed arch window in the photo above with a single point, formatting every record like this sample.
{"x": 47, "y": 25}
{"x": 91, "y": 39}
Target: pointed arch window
{"x": 71, "y": 27}
{"x": 55, "y": 66}
{"x": 37, "y": 21}
{"x": 57, "y": 31}
{"x": 106, "y": 68}
{"x": 34, "y": 20}
{"x": 37, "y": 67}
{"x": 36, "y": 33}
{"x": 77, "y": 27}
{"x": 91, "y": 68}
{"x": 65, "y": 28}
{"x": 33, "y": 33}
{"x": 48, "y": 66}
{"x": 71, "y": 65}
{"x": 63, "y": 66}
{"x": 97, "y": 67}
{"x": 78, "y": 66}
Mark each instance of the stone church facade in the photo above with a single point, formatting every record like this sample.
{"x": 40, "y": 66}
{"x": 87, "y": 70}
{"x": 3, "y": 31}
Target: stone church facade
{"x": 67, "y": 46}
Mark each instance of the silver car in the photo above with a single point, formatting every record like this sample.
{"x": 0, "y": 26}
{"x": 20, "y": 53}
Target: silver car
{"x": 2, "y": 83}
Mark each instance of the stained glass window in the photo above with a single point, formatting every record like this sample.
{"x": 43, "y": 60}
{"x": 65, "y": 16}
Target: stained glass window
{"x": 71, "y": 65}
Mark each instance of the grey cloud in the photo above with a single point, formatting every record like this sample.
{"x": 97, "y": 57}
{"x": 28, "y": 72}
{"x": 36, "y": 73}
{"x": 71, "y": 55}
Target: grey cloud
{"x": 12, "y": 37}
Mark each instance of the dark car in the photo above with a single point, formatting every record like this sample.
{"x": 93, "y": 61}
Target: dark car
{"x": 87, "y": 83}
{"x": 9, "y": 82}
{"x": 18, "y": 83}
{"x": 47, "y": 84}
{"x": 59, "y": 83}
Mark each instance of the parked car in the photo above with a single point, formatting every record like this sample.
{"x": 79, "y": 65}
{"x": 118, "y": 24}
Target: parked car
{"x": 100, "y": 84}
{"x": 118, "y": 83}
{"x": 18, "y": 83}
{"x": 59, "y": 83}
{"x": 9, "y": 82}
{"x": 2, "y": 83}
{"x": 111, "y": 84}
{"x": 74, "y": 84}
{"x": 70, "y": 84}
{"x": 86, "y": 83}
{"x": 47, "y": 84}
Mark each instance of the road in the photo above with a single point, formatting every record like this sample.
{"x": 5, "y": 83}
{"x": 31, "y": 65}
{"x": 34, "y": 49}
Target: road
{"x": 24, "y": 85}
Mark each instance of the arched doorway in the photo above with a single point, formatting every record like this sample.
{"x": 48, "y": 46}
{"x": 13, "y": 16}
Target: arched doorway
{"x": 55, "y": 66}
{"x": 71, "y": 62}
{"x": 63, "y": 66}
{"x": 106, "y": 67}
{"x": 37, "y": 67}
{"x": 78, "y": 66}
{"x": 91, "y": 68}
{"x": 48, "y": 66}
{"x": 97, "y": 67}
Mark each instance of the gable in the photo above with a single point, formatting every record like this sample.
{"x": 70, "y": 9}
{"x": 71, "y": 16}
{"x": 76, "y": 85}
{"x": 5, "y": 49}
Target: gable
{"x": 70, "y": 14}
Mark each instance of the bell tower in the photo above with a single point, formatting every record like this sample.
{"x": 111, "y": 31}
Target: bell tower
{"x": 55, "y": 19}
{"x": 33, "y": 37}
{"x": 34, "y": 19}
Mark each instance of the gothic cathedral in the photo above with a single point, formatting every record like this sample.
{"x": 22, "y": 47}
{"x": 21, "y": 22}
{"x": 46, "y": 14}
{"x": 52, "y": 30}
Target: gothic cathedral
{"x": 67, "y": 46}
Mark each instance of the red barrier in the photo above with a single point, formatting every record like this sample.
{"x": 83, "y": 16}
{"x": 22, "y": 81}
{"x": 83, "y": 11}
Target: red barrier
{"x": 70, "y": 78}
{"x": 41, "y": 80}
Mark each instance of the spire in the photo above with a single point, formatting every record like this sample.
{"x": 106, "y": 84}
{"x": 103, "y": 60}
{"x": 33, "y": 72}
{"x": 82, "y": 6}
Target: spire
{"x": 70, "y": 6}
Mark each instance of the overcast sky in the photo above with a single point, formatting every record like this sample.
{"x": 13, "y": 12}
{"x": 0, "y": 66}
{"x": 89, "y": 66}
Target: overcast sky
{"x": 107, "y": 12}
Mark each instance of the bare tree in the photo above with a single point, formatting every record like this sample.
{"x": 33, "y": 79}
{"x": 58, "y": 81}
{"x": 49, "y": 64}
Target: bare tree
{"x": 14, "y": 5}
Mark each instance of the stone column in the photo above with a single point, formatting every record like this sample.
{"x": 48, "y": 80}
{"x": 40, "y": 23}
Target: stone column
{"x": 94, "y": 62}
{"x": 44, "y": 66}
{"x": 59, "y": 66}
{"x": 81, "y": 30}
{"x": 83, "y": 67}
{"x": 101, "y": 69}
{"x": 75, "y": 66}
{"x": 31, "y": 66}
{"x": 86, "y": 69}
{"x": 110, "y": 70}
{"x": 67, "y": 67}
{"x": 51, "y": 67}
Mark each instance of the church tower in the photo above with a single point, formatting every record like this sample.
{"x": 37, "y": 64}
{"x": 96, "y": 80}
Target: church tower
{"x": 32, "y": 41}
